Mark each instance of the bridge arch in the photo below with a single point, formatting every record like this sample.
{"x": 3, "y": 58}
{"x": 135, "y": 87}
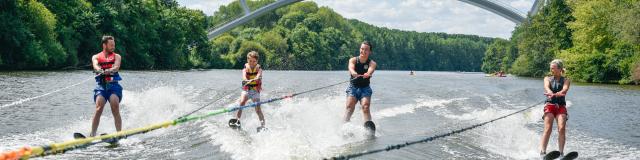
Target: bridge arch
{"x": 496, "y": 8}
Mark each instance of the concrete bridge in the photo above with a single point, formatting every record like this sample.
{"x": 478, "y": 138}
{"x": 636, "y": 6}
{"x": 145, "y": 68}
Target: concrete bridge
{"x": 493, "y": 6}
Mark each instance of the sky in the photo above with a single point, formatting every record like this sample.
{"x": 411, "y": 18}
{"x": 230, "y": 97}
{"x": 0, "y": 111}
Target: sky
{"x": 448, "y": 16}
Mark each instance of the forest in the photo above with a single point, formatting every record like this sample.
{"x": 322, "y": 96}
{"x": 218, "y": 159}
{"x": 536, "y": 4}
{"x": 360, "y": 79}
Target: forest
{"x": 161, "y": 34}
{"x": 599, "y": 42}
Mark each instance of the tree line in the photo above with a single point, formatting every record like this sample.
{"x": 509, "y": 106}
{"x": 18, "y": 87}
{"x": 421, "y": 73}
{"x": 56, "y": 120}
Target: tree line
{"x": 599, "y": 41}
{"x": 160, "y": 34}
{"x": 149, "y": 34}
{"x": 303, "y": 36}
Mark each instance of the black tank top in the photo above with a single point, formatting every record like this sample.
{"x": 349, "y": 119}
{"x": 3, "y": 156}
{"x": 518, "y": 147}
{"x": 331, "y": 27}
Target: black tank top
{"x": 556, "y": 86}
{"x": 361, "y": 68}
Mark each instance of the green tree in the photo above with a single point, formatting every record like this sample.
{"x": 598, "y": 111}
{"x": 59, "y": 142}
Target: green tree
{"x": 277, "y": 50}
{"x": 240, "y": 57}
{"x": 28, "y": 36}
{"x": 153, "y": 34}
{"x": 604, "y": 49}
{"x": 76, "y": 29}
{"x": 306, "y": 44}
{"x": 222, "y": 46}
{"x": 540, "y": 39}
{"x": 335, "y": 47}
{"x": 291, "y": 19}
{"x": 636, "y": 73}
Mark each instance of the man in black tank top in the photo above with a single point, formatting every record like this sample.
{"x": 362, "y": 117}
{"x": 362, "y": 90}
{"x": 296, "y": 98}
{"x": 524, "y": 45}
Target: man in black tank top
{"x": 361, "y": 68}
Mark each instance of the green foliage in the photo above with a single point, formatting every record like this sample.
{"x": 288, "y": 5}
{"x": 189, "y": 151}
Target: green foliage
{"x": 309, "y": 52}
{"x": 27, "y": 36}
{"x": 636, "y": 72}
{"x": 221, "y": 44}
{"x": 290, "y": 19}
{"x": 151, "y": 34}
{"x": 156, "y": 35}
{"x": 334, "y": 44}
{"x": 606, "y": 41}
{"x": 308, "y": 37}
{"x": 541, "y": 38}
{"x": 233, "y": 10}
{"x": 227, "y": 13}
{"x": 239, "y": 58}
{"x": 499, "y": 56}
{"x": 76, "y": 29}
{"x": 598, "y": 41}
{"x": 304, "y": 7}
{"x": 276, "y": 56}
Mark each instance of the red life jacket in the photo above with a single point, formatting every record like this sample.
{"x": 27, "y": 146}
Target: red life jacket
{"x": 251, "y": 74}
{"x": 106, "y": 62}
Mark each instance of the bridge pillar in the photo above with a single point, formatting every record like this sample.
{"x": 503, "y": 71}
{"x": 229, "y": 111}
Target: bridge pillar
{"x": 243, "y": 3}
{"x": 536, "y": 7}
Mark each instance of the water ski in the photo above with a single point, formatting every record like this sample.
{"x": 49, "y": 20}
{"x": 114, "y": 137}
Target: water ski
{"x": 78, "y": 136}
{"x": 570, "y": 156}
{"x": 262, "y": 129}
{"x": 111, "y": 141}
{"x": 552, "y": 155}
{"x": 371, "y": 127}
{"x": 234, "y": 123}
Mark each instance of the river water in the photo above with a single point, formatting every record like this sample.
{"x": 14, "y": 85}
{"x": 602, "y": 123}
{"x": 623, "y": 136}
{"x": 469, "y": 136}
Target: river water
{"x": 603, "y": 119}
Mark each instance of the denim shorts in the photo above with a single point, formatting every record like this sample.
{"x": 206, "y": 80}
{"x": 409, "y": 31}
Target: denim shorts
{"x": 359, "y": 93}
{"x": 111, "y": 88}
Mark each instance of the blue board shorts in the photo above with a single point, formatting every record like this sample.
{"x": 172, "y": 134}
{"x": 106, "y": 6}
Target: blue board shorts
{"x": 113, "y": 88}
{"x": 359, "y": 93}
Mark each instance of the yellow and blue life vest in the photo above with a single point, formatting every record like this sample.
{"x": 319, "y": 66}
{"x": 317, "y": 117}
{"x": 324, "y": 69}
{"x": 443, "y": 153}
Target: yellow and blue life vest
{"x": 252, "y": 73}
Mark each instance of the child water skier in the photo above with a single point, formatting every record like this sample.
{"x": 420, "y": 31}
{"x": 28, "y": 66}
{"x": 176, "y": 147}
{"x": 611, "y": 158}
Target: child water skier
{"x": 251, "y": 87}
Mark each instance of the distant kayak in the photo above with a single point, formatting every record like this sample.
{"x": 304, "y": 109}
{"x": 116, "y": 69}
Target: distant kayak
{"x": 497, "y": 74}
{"x": 493, "y": 75}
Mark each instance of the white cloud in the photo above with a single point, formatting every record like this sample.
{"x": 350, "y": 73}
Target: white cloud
{"x": 449, "y": 16}
{"x": 522, "y": 5}
{"x": 207, "y": 6}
